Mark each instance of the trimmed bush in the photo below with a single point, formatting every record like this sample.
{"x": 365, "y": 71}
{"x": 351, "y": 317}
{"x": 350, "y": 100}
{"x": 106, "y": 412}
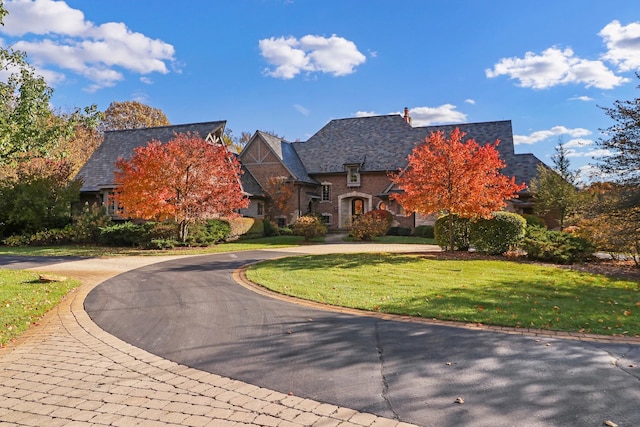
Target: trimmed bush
{"x": 426, "y": 231}
{"x": 240, "y": 226}
{"x": 256, "y": 230}
{"x": 498, "y": 234}
{"x": 460, "y": 233}
{"x": 555, "y": 246}
{"x": 399, "y": 231}
{"x": 309, "y": 227}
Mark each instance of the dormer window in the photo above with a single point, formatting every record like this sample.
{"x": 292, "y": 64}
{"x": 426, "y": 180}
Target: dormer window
{"x": 353, "y": 176}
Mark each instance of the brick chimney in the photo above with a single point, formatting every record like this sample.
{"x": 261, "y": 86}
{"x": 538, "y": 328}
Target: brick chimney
{"x": 407, "y": 117}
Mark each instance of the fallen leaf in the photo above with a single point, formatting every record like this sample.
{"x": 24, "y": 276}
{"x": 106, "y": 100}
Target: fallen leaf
{"x": 461, "y": 401}
{"x": 610, "y": 423}
{"x": 448, "y": 363}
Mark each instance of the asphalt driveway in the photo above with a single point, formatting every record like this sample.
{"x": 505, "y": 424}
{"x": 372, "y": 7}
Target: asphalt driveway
{"x": 191, "y": 311}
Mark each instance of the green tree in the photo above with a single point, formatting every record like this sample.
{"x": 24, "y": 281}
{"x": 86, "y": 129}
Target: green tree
{"x": 622, "y": 142}
{"x": 38, "y": 197}
{"x": 555, "y": 189}
{"x": 29, "y": 127}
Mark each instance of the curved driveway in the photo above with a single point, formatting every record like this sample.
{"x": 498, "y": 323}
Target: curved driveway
{"x": 191, "y": 311}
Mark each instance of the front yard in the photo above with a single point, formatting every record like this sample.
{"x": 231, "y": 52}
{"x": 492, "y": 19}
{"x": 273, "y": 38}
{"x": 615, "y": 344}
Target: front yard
{"x": 489, "y": 291}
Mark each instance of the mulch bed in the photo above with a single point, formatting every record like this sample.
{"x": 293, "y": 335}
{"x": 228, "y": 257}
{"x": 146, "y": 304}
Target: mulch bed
{"x": 621, "y": 269}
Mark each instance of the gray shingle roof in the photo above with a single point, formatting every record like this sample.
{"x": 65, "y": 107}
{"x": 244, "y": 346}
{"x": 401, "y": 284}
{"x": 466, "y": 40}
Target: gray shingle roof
{"x": 250, "y": 184}
{"x": 98, "y": 172}
{"x": 382, "y": 143}
{"x": 289, "y": 157}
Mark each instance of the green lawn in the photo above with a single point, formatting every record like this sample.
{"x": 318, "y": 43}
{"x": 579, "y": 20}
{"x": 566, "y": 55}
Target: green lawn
{"x": 491, "y": 292}
{"x": 24, "y": 300}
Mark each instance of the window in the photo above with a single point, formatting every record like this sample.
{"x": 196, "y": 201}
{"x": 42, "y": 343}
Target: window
{"x": 326, "y": 192}
{"x": 113, "y": 208}
{"x": 281, "y": 222}
{"x": 326, "y": 219}
{"x": 353, "y": 176}
{"x": 260, "y": 208}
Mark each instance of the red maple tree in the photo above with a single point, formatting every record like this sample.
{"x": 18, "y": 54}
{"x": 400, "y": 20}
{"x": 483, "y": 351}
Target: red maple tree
{"x": 185, "y": 180}
{"x": 450, "y": 176}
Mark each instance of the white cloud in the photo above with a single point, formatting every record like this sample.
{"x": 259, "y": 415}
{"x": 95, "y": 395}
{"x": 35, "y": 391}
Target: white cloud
{"x": 470, "y": 101}
{"x": 426, "y": 116}
{"x": 555, "y": 67}
{"x": 581, "y": 98}
{"x": 43, "y": 17}
{"x": 541, "y": 135}
{"x": 365, "y": 113}
{"x": 302, "y": 110}
{"x": 290, "y": 56}
{"x": 61, "y": 38}
{"x": 623, "y": 44}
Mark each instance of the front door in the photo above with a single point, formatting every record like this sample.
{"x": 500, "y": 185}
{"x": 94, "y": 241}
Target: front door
{"x": 357, "y": 207}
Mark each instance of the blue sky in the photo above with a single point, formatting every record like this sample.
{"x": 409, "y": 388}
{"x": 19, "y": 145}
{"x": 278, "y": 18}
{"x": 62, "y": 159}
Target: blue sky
{"x": 290, "y": 66}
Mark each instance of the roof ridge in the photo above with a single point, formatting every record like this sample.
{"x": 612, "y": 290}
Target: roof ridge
{"x": 166, "y": 126}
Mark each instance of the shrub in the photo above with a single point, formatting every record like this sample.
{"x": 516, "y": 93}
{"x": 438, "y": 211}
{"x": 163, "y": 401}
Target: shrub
{"x": 208, "y": 233}
{"x": 497, "y": 234}
{"x": 399, "y": 231}
{"x": 460, "y": 233}
{"x": 309, "y": 226}
{"x": 218, "y": 229}
{"x": 255, "y": 231}
{"x": 17, "y": 240}
{"x": 240, "y": 226}
{"x": 555, "y": 246}
{"x": 87, "y": 224}
{"x": 162, "y": 244}
{"x": 425, "y": 231}
{"x": 366, "y": 227}
{"x": 270, "y": 229}
{"x": 535, "y": 221}
{"x": 123, "y": 234}
{"x": 56, "y": 236}
{"x": 372, "y": 224}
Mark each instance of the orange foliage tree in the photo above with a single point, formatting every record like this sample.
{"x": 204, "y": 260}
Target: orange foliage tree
{"x": 185, "y": 180}
{"x": 453, "y": 177}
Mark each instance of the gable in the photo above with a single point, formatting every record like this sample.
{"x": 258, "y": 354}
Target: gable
{"x": 266, "y": 151}
{"x": 258, "y": 152}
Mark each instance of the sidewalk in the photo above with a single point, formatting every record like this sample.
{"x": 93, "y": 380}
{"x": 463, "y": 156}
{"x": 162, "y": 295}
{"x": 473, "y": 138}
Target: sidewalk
{"x": 68, "y": 372}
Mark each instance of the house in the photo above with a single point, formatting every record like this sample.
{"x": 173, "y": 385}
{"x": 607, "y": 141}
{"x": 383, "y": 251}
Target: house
{"x": 98, "y": 173}
{"x": 343, "y": 169}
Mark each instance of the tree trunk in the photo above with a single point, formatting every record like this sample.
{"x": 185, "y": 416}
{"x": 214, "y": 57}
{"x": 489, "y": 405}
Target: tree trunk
{"x": 451, "y": 232}
{"x": 184, "y": 230}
